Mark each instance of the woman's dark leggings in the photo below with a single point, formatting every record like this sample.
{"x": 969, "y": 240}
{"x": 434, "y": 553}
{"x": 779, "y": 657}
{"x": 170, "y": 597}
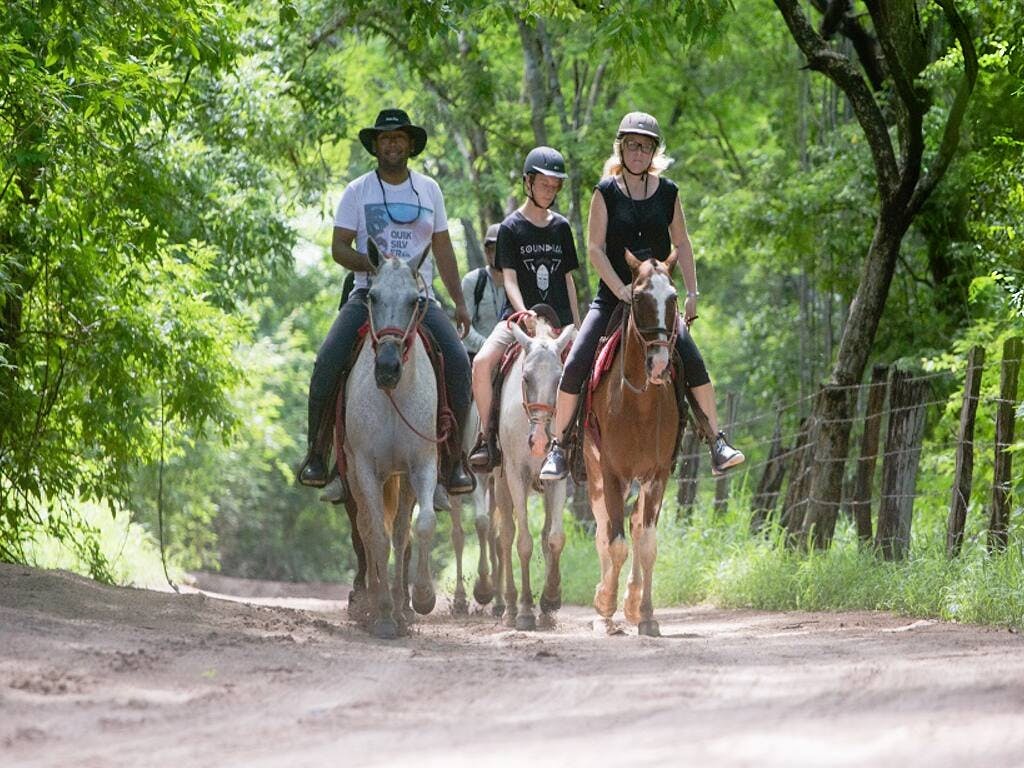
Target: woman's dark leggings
{"x": 584, "y": 349}
{"x": 336, "y": 351}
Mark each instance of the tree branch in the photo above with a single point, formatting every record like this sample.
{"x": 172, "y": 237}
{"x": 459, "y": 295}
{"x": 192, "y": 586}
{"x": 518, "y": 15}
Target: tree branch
{"x": 835, "y": 66}
{"x": 951, "y": 133}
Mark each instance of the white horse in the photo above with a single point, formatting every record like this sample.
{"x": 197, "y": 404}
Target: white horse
{"x": 391, "y": 441}
{"x": 527, "y": 407}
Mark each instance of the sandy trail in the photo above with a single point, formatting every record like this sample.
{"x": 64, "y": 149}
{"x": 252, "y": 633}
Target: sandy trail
{"x": 100, "y": 676}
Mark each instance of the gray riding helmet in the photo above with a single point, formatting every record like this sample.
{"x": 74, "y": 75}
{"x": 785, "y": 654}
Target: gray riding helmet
{"x": 641, "y": 123}
{"x": 547, "y": 161}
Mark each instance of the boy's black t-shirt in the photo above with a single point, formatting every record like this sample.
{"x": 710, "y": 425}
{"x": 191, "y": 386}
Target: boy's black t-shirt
{"x": 541, "y": 257}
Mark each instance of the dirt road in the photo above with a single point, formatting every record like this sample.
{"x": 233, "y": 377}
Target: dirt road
{"x": 100, "y": 676}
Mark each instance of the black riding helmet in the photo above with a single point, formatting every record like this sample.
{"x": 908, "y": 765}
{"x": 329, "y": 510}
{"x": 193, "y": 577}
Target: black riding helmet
{"x": 546, "y": 161}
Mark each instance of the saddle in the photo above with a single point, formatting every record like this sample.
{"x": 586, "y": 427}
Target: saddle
{"x": 447, "y": 447}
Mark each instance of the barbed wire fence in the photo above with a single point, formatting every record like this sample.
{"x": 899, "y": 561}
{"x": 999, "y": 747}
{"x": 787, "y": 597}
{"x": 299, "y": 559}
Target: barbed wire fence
{"x": 897, "y": 401}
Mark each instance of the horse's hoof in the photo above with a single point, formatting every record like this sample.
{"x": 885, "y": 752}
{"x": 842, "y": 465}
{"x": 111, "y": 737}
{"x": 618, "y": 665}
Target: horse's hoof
{"x": 526, "y": 622}
{"x": 510, "y": 619}
{"x": 497, "y": 610}
{"x": 385, "y": 629}
{"x": 648, "y": 628}
{"x": 603, "y": 626}
{"x": 546, "y": 621}
{"x": 358, "y": 604}
{"x": 547, "y": 605}
{"x": 460, "y": 607}
{"x": 423, "y": 600}
{"x": 483, "y": 592}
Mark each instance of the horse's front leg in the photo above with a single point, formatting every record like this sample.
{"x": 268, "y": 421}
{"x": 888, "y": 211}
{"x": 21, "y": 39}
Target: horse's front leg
{"x": 483, "y": 589}
{"x": 460, "y": 606}
{"x": 606, "y": 501}
{"x": 506, "y": 532}
{"x": 519, "y": 488}
{"x": 645, "y": 549}
{"x": 553, "y": 542}
{"x": 370, "y": 500}
{"x": 423, "y": 479}
{"x": 400, "y": 545}
{"x": 357, "y": 596}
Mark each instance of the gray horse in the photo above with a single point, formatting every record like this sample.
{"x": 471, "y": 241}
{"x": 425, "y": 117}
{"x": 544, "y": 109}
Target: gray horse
{"x": 527, "y": 407}
{"x": 391, "y": 441}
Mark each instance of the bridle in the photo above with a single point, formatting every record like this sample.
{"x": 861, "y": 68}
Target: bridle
{"x": 407, "y": 335}
{"x": 645, "y": 344}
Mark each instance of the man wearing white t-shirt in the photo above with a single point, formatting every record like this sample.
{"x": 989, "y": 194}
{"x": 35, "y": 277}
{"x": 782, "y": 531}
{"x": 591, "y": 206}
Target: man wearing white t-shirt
{"x": 403, "y": 212}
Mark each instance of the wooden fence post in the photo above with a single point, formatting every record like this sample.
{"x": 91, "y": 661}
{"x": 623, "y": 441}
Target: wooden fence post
{"x": 795, "y": 506}
{"x": 689, "y": 463}
{"x": 860, "y": 504}
{"x": 722, "y": 483}
{"x": 999, "y": 517}
{"x": 771, "y": 480}
{"x": 907, "y": 415}
{"x": 963, "y": 476}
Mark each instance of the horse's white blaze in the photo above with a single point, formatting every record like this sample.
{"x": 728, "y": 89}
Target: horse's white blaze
{"x": 661, "y": 291}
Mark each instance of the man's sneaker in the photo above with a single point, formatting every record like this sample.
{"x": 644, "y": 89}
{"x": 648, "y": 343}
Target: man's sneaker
{"x": 723, "y": 455}
{"x": 313, "y": 472}
{"x": 555, "y": 466}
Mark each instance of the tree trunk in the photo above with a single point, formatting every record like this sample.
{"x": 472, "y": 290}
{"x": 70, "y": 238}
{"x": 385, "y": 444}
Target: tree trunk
{"x": 907, "y": 416}
{"x": 902, "y": 190}
{"x": 963, "y": 477}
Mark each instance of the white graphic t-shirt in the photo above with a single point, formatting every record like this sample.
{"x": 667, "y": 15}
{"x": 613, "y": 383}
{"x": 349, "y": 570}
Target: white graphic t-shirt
{"x": 400, "y": 218}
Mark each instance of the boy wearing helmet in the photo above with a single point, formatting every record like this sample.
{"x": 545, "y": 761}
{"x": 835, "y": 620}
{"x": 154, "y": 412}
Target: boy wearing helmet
{"x": 536, "y": 254}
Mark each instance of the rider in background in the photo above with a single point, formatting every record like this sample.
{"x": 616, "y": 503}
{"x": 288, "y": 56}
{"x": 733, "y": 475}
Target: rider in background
{"x": 537, "y": 255}
{"x": 403, "y": 212}
{"x": 634, "y": 207}
{"x": 484, "y": 290}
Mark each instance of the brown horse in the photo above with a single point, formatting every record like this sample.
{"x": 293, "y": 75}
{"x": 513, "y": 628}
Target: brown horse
{"x": 637, "y": 418}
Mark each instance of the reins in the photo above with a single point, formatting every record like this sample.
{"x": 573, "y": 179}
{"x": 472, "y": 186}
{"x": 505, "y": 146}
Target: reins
{"x": 406, "y": 338}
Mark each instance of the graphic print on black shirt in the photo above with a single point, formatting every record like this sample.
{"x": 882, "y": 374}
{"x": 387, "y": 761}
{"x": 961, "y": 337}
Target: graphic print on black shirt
{"x": 541, "y": 258}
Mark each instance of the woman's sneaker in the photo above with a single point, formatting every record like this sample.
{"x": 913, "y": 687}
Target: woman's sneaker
{"x": 555, "y": 466}
{"x": 723, "y": 455}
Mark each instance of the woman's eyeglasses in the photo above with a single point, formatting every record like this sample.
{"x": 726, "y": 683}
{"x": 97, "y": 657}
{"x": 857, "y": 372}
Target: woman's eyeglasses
{"x": 647, "y": 147}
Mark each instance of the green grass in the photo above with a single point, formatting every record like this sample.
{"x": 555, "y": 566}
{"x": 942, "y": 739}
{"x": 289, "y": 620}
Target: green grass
{"x": 714, "y": 560}
{"x": 126, "y": 551}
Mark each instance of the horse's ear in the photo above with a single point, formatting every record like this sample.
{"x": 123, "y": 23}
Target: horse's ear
{"x": 373, "y": 255}
{"x": 671, "y": 260}
{"x": 568, "y": 334}
{"x": 632, "y": 261}
{"x": 421, "y": 259}
{"x": 521, "y": 336}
